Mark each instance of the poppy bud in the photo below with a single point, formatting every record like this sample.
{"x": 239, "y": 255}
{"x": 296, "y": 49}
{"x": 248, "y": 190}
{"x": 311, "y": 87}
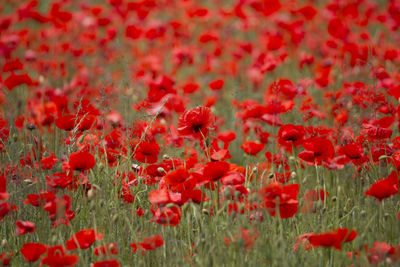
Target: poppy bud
{"x": 165, "y": 156}
{"x": 28, "y": 181}
{"x": 204, "y": 211}
{"x": 3, "y": 242}
{"x": 54, "y": 239}
{"x": 90, "y": 194}
{"x": 161, "y": 169}
{"x": 293, "y": 175}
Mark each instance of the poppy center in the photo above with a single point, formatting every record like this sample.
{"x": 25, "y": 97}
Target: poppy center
{"x": 197, "y": 127}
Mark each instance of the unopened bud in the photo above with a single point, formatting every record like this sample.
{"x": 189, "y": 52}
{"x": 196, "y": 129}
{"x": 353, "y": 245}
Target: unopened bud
{"x": 114, "y": 218}
{"x": 91, "y": 194}
{"x": 161, "y": 169}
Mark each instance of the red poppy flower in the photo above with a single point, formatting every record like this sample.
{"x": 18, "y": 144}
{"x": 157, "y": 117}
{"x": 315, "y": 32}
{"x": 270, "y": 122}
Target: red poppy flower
{"x": 24, "y": 227}
{"x": 33, "y": 251}
{"x": 5, "y": 258}
{"x": 190, "y": 87}
{"x": 66, "y": 123}
{"x": 216, "y": 84}
{"x": 195, "y": 122}
{"x": 337, "y": 29}
{"x": 252, "y": 148}
{"x": 334, "y": 238}
{"x": 15, "y": 80}
{"x": 160, "y": 197}
{"x": 39, "y": 199}
{"x": 227, "y": 136}
{"x": 160, "y": 88}
{"x": 3, "y": 188}
{"x": 152, "y": 242}
{"x": 167, "y": 216}
{"x": 284, "y": 197}
{"x": 106, "y": 263}
{"x": 59, "y": 180}
{"x": 376, "y": 133}
{"x": 384, "y": 188}
{"x": 83, "y": 239}
{"x": 81, "y": 161}
{"x": 5, "y": 208}
{"x": 57, "y": 257}
{"x": 290, "y": 135}
{"x": 69, "y": 122}
{"x": 233, "y": 178}
{"x": 133, "y": 32}
{"x": 47, "y": 163}
{"x": 178, "y": 181}
{"x": 13, "y": 65}
{"x": 145, "y": 152}
{"x": 215, "y": 170}
{"x": 148, "y": 243}
{"x": 111, "y": 248}
{"x": 318, "y": 149}
{"x": 355, "y": 152}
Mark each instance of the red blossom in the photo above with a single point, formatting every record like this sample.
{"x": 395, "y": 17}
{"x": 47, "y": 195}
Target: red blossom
{"x": 334, "y": 238}
{"x": 83, "y": 239}
{"x": 385, "y": 187}
{"x": 148, "y": 243}
{"x": 24, "y": 227}
{"x": 196, "y": 122}
{"x": 252, "y": 148}
{"x": 283, "y": 198}
{"x": 57, "y": 257}
{"x": 81, "y": 161}
{"x": 33, "y": 251}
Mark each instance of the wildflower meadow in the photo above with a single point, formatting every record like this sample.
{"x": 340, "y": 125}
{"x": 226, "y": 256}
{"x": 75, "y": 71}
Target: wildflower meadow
{"x": 199, "y": 133}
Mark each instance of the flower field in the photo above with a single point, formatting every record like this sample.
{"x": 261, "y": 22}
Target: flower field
{"x": 199, "y": 133}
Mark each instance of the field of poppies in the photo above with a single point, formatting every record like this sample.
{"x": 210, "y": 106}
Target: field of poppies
{"x": 199, "y": 133}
